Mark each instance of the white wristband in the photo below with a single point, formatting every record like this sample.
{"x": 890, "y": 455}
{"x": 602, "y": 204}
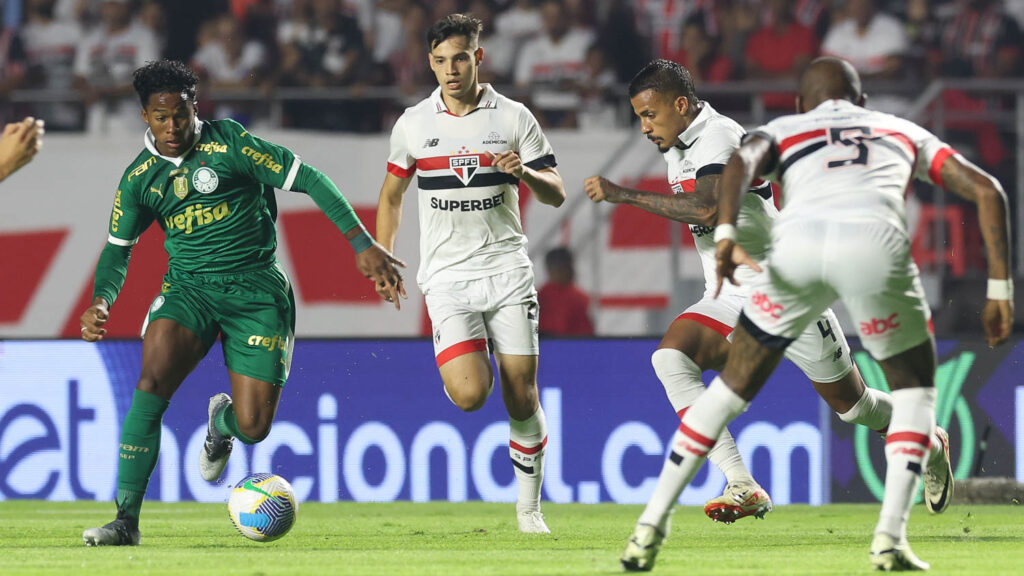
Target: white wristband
{"x": 725, "y": 232}
{"x": 1000, "y": 289}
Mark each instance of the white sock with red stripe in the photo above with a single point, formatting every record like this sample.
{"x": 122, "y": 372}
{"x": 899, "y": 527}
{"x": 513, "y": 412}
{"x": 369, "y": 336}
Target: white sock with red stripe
{"x": 527, "y": 439}
{"x": 681, "y": 378}
{"x": 706, "y": 419}
{"x": 910, "y": 432}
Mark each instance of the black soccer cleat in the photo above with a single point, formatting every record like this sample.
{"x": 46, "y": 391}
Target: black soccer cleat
{"x": 123, "y": 531}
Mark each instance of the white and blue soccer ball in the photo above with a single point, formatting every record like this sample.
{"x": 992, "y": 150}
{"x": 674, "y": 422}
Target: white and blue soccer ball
{"x": 263, "y": 507}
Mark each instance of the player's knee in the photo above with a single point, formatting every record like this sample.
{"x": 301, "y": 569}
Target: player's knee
{"x": 254, "y": 431}
{"x": 466, "y": 398}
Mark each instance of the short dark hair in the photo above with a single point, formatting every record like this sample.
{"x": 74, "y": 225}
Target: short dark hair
{"x": 664, "y": 77}
{"x": 454, "y": 25}
{"x": 161, "y": 76}
{"x": 560, "y": 256}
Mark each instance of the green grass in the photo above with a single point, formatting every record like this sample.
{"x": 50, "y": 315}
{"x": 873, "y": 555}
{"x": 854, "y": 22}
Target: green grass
{"x": 476, "y": 538}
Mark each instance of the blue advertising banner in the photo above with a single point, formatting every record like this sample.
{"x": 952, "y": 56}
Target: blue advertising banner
{"x": 369, "y": 421}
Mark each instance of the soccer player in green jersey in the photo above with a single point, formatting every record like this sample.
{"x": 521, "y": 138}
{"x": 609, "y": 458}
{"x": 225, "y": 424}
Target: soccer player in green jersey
{"x": 210, "y": 187}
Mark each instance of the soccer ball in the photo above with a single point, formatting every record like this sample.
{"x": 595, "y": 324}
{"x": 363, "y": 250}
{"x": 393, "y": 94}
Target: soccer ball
{"x": 263, "y": 507}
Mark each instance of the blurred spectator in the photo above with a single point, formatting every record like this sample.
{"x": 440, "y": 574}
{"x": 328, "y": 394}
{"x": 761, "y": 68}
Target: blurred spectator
{"x": 104, "y": 65}
{"x": 226, "y": 61}
{"x": 185, "y": 19}
{"x": 50, "y": 47}
{"x": 597, "y": 92}
{"x": 384, "y": 37}
{"x": 875, "y": 43}
{"x": 153, "y": 17}
{"x": 12, "y": 67}
{"x": 409, "y": 67}
{"x": 321, "y": 47}
{"x": 665, "y": 20}
{"x": 780, "y": 51}
{"x": 698, "y": 52}
{"x": 564, "y": 307}
{"x": 738, "y": 20}
{"x": 499, "y": 49}
{"x": 619, "y": 36}
{"x": 978, "y": 40}
{"x": 520, "y": 22}
{"x": 814, "y": 14}
{"x": 551, "y": 65}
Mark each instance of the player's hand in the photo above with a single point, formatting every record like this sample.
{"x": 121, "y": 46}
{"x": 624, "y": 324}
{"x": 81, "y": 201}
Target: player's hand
{"x": 93, "y": 319}
{"x": 19, "y": 144}
{"x": 729, "y": 256}
{"x": 508, "y": 162}
{"x": 598, "y": 189}
{"x": 379, "y": 265}
{"x": 997, "y": 320}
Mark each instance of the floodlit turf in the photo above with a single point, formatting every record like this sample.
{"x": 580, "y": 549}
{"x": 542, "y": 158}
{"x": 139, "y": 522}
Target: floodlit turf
{"x": 474, "y": 539}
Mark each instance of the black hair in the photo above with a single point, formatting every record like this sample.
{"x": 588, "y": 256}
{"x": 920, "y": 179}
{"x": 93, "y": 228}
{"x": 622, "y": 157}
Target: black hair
{"x": 664, "y": 77}
{"x": 560, "y": 256}
{"x": 161, "y": 76}
{"x": 455, "y": 25}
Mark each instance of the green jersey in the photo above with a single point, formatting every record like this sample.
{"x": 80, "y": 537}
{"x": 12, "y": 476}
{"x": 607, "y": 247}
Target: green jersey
{"x": 215, "y": 203}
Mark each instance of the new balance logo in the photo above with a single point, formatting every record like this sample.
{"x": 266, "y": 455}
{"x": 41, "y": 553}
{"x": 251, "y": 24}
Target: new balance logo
{"x": 431, "y": 142}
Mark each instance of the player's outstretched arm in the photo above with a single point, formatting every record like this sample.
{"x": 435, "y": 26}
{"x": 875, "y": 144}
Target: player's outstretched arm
{"x": 753, "y": 158}
{"x": 19, "y": 144}
{"x": 546, "y": 184}
{"x": 389, "y": 217}
{"x": 699, "y": 207}
{"x": 965, "y": 179}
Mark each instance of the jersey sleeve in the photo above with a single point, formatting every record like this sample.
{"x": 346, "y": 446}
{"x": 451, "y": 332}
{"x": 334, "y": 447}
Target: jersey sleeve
{"x": 260, "y": 160}
{"x": 129, "y": 218}
{"x": 401, "y": 162}
{"x": 533, "y": 147}
{"x": 931, "y": 153}
{"x": 770, "y": 133}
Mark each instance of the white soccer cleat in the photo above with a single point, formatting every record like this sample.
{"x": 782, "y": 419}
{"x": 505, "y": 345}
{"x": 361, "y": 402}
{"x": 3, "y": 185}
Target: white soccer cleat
{"x": 739, "y": 500}
{"x": 123, "y": 531}
{"x": 888, "y": 555}
{"x": 532, "y": 522}
{"x": 642, "y": 548}
{"x": 938, "y": 477}
{"x": 213, "y": 458}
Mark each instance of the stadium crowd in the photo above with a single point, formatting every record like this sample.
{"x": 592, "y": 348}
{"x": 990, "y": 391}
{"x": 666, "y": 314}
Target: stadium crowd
{"x": 563, "y": 57}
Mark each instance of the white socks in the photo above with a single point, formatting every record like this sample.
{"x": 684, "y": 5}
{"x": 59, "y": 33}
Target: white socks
{"x": 910, "y": 432}
{"x": 527, "y": 439}
{"x": 692, "y": 442}
{"x": 681, "y": 378}
{"x": 874, "y": 410}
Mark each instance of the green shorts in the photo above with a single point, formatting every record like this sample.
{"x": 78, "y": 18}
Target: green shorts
{"x": 253, "y": 312}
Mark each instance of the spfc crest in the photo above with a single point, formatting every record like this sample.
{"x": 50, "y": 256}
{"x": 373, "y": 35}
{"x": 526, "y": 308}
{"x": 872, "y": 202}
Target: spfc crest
{"x": 464, "y": 167}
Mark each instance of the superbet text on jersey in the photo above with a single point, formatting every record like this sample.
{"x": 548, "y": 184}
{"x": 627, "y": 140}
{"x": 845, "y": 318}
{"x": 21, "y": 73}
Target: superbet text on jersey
{"x": 469, "y": 210}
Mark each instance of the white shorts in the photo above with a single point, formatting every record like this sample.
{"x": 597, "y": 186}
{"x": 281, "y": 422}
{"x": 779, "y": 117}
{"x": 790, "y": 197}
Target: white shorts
{"x": 821, "y": 352}
{"x": 867, "y": 265}
{"x": 500, "y": 310}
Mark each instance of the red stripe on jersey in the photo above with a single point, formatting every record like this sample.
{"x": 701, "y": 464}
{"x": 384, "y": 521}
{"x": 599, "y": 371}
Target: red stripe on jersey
{"x": 903, "y": 138}
{"x": 532, "y": 449}
{"x": 682, "y": 412}
{"x": 687, "y": 185}
{"x": 720, "y": 327}
{"x": 912, "y": 437}
{"x": 444, "y": 162}
{"x": 401, "y": 172}
{"x": 638, "y": 301}
{"x": 935, "y": 170}
{"x": 788, "y": 143}
{"x": 461, "y": 348}
{"x": 696, "y": 436}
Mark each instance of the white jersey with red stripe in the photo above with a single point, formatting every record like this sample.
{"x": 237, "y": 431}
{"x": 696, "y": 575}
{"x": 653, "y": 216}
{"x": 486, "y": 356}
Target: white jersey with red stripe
{"x": 842, "y": 162}
{"x": 705, "y": 147}
{"x": 469, "y": 210}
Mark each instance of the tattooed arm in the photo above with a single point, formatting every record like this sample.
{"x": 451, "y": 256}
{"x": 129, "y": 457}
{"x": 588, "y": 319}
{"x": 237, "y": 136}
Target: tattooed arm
{"x": 699, "y": 207}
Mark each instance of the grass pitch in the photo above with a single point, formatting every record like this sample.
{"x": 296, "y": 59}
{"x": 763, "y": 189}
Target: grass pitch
{"x": 475, "y": 538}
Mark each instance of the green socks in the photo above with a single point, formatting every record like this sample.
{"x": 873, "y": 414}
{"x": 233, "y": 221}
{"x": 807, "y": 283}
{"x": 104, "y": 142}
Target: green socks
{"x": 140, "y": 447}
{"x": 227, "y": 424}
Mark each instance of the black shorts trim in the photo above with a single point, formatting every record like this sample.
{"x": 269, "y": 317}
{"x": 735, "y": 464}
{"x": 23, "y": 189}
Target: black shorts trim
{"x": 765, "y": 339}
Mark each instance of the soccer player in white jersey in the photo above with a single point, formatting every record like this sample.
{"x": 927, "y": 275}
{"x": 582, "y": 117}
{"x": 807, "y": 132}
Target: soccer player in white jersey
{"x": 696, "y": 141}
{"x": 843, "y": 234}
{"x": 471, "y": 147}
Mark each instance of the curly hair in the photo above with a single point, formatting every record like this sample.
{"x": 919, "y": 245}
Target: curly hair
{"x": 161, "y": 76}
{"x": 665, "y": 77}
{"x": 455, "y": 25}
